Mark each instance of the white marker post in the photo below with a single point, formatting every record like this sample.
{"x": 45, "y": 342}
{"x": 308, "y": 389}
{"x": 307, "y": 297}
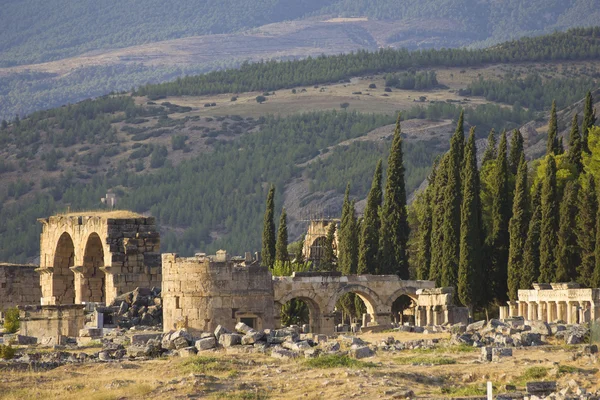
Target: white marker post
{"x": 489, "y": 391}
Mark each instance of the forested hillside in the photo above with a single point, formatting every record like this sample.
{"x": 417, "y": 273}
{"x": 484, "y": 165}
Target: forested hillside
{"x": 35, "y": 31}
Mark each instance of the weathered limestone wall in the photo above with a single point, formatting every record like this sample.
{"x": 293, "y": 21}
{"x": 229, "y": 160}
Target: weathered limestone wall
{"x": 314, "y": 240}
{"x": 94, "y": 258}
{"x": 566, "y": 302}
{"x": 51, "y": 321}
{"x": 19, "y": 285}
{"x": 203, "y": 292}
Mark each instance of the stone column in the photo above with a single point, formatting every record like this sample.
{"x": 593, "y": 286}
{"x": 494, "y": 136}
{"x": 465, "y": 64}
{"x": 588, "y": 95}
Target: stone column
{"x": 523, "y": 309}
{"x": 584, "y": 312}
{"x": 78, "y": 283}
{"x": 513, "y": 309}
{"x": 543, "y": 311}
{"x": 569, "y": 312}
{"x": 531, "y": 311}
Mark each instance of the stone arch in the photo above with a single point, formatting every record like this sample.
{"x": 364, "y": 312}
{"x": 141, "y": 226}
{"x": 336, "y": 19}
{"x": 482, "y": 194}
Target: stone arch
{"x": 366, "y": 294}
{"x": 92, "y": 284}
{"x": 63, "y": 290}
{"x": 317, "y": 248}
{"x": 314, "y": 308}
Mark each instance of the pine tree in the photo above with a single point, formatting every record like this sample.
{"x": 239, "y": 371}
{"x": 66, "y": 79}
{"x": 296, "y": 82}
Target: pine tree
{"x": 589, "y": 119}
{"x": 369, "y": 238}
{"x": 452, "y": 203}
{"x": 586, "y": 231}
{"x": 470, "y": 228}
{"x": 501, "y": 213}
{"x": 531, "y": 257}
{"x": 425, "y": 226}
{"x": 268, "y": 238}
{"x": 552, "y": 146}
{"x": 348, "y": 237}
{"x": 517, "y": 229}
{"x": 550, "y": 223}
{"x": 393, "y": 251}
{"x": 516, "y": 151}
{"x": 281, "y": 247}
{"x": 567, "y": 253}
{"x": 328, "y": 262}
{"x": 490, "y": 151}
{"x": 437, "y": 220}
{"x": 575, "y": 146}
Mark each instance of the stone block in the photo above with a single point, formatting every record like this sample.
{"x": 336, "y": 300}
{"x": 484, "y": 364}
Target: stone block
{"x": 359, "y": 352}
{"x": 252, "y": 337}
{"x": 541, "y": 388}
{"x": 142, "y": 338}
{"x": 20, "y": 339}
{"x": 219, "y": 330}
{"x": 486, "y": 354}
{"x": 475, "y": 326}
{"x": 539, "y": 327}
{"x": 499, "y": 353}
{"x": 243, "y": 328}
{"x": 90, "y": 332}
{"x": 206, "y": 344}
{"x": 230, "y": 339}
{"x": 187, "y": 352}
{"x": 320, "y": 338}
{"x": 283, "y": 354}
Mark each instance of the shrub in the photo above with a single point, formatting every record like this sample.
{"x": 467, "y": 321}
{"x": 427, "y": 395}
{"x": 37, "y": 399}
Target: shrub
{"x": 260, "y": 99}
{"x": 234, "y": 98}
{"x": 388, "y": 89}
{"x": 344, "y": 105}
{"x": 372, "y": 86}
{"x": 7, "y": 352}
{"x": 11, "y": 320}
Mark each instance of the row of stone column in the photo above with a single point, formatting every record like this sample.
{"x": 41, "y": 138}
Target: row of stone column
{"x": 431, "y": 315}
{"x": 570, "y": 312}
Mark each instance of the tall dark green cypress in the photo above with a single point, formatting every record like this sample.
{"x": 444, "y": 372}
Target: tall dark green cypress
{"x": 425, "y": 227}
{"x": 437, "y": 220}
{"x": 550, "y": 223}
{"x": 268, "y": 237}
{"x": 393, "y": 248}
{"x": 589, "y": 119}
{"x": 348, "y": 237}
{"x": 452, "y": 204}
{"x": 575, "y": 146}
{"x": 567, "y": 252}
{"x": 552, "y": 145}
{"x": 501, "y": 212}
{"x": 329, "y": 261}
{"x": 281, "y": 248}
{"x": 369, "y": 237}
{"x": 586, "y": 230}
{"x": 596, "y": 275}
{"x": 470, "y": 228}
{"x": 490, "y": 150}
{"x": 517, "y": 228}
{"x": 516, "y": 151}
{"x": 531, "y": 258}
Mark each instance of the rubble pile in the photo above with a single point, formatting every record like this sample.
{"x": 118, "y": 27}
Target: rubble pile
{"x": 141, "y": 307}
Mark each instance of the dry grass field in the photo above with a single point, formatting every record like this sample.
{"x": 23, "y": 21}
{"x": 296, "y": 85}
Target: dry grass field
{"x": 446, "y": 371}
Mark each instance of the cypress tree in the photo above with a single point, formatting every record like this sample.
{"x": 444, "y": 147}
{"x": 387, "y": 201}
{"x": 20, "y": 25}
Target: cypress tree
{"x": 589, "y": 119}
{"x": 561, "y": 147}
{"x": 586, "y": 231}
{"x": 567, "y": 257}
{"x": 369, "y": 238}
{"x": 268, "y": 237}
{"x": 470, "y": 227}
{"x": 281, "y": 248}
{"x": 501, "y": 212}
{"x": 452, "y": 203}
{"x": 328, "y": 263}
{"x": 596, "y": 275}
{"x": 517, "y": 229}
{"x": 575, "y": 146}
{"x": 425, "y": 227}
{"x": 437, "y": 220}
{"x": 531, "y": 258}
{"x": 393, "y": 254}
{"x": 516, "y": 151}
{"x": 300, "y": 256}
{"x": 552, "y": 146}
{"x": 550, "y": 223}
{"x": 490, "y": 151}
{"x": 348, "y": 237}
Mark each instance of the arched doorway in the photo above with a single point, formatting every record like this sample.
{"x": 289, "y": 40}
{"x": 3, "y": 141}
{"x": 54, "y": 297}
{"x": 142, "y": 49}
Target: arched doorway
{"x": 358, "y": 301}
{"x": 92, "y": 285}
{"x": 63, "y": 289}
{"x": 403, "y": 310}
{"x": 299, "y": 310}
{"x": 317, "y": 250}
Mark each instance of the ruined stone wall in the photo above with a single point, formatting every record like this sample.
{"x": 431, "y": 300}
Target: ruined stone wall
{"x": 202, "y": 292}
{"x": 47, "y": 322}
{"x": 95, "y": 258}
{"x": 19, "y": 285}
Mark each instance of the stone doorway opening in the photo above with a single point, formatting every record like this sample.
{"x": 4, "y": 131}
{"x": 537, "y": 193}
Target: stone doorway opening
{"x": 63, "y": 289}
{"x": 403, "y": 310}
{"x": 92, "y": 284}
{"x": 300, "y": 311}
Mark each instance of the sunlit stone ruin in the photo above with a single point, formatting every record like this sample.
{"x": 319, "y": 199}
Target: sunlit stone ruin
{"x": 99, "y": 271}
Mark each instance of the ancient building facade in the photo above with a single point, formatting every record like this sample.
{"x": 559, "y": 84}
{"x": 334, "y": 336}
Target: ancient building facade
{"x": 566, "y": 302}
{"x": 202, "y": 292}
{"x": 97, "y": 256}
{"x": 315, "y": 239}
{"x": 436, "y": 305}
{"x": 205, "y": 291}
{"x": 19, "y": 284}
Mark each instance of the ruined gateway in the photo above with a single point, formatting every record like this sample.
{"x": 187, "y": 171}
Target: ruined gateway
{"x": 96, "y": 257}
